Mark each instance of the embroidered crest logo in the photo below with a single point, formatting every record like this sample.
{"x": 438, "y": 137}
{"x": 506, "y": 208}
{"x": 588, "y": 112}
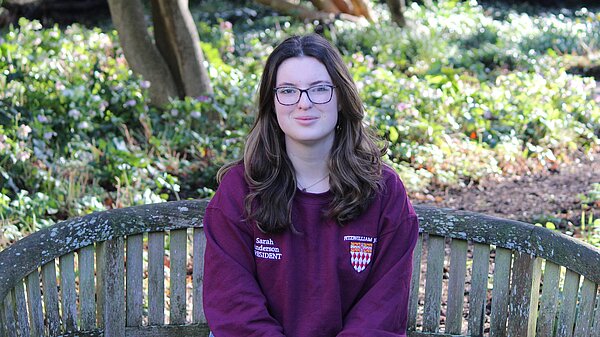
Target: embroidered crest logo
{"x": 360, "y": 255}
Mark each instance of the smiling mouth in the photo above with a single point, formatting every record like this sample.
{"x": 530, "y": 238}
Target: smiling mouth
{"x": 306, "y": 118}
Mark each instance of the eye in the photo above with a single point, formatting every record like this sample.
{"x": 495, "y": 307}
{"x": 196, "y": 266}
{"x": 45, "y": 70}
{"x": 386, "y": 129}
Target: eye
{"x": 320, "y": 89}
{"x": 287, "y": 91}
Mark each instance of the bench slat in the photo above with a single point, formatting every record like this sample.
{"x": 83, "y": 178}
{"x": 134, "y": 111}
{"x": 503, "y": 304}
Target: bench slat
{"x": 2, "y": 319}
{"x": 478, "y": 292}
{"x": 566, "y": 316}
{"x": 67, "y": 289}
{"x": 413, "y": 304}
{"x": 9, "y": 316}
{"x": 34, "y": 302}
{"x": 156, "y": 278}
{"x": 583, "y": 324}
{"x": 456, "y": 286}
{"x": 87, "y": 302}
{"x": 550, "y": 289}
{"x": 433, "y": 284}
{"x": 134, "y": 274}
{"x": 500, "y": 292}
{"x": 178, "y": 254}
{"x": 100, "y": 256}
{"x": 199, "y": 247}
{"x": 524, "y": 297}
{"x": 51, "y": 297}
{"x": 596, "y": 325}
{"x": 21, "y": 305}
{"x": 114, "y": 287}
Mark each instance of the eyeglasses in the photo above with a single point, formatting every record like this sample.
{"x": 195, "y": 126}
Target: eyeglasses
{"x": 319, "y": 94}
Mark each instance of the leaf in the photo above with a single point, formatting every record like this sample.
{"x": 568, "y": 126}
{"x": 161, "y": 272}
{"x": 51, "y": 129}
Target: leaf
{"x": 393, "y": 134}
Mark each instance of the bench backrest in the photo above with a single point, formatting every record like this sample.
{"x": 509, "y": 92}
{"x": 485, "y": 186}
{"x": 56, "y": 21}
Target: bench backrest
{"x": 138, "y": 272}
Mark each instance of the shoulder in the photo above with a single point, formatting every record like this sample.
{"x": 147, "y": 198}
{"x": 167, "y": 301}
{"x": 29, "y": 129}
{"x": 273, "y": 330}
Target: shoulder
{"x": 232, "y": 189}
{"x": 391, "y": 181}
{"x": 394, "y": 196}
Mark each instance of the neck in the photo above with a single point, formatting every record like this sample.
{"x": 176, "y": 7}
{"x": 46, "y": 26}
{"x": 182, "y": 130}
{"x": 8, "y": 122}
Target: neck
{"x": 310, "y": 165}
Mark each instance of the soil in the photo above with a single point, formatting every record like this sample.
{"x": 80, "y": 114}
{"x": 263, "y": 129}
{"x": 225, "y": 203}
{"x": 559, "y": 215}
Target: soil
{"x": 552, "y": 194}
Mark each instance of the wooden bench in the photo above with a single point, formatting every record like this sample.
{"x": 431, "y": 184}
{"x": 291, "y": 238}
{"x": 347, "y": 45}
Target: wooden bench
{"x": 138, "y": 272}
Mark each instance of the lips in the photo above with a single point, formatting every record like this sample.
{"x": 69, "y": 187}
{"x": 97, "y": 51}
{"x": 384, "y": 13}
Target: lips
{"x": 306, "y": 118}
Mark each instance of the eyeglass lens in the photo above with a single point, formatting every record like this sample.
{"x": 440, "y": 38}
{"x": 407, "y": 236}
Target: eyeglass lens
{"x": 319, "y": 94}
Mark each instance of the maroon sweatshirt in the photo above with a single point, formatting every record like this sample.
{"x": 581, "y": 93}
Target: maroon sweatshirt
{"x": 350, "y": 281}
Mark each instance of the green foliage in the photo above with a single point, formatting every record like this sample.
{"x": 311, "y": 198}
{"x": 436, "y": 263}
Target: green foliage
{"x": 464, "y": 92}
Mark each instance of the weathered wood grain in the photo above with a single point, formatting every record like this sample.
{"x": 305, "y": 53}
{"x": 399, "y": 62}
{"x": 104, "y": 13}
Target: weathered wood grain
{"x": 135, "y": 275}
{"x": 596, "y": 324}
{"x": 178, "y": 254}
{"x": 49, "y": 243}
{"x": 34, "y": 304}
{"x": 478, "y": 293}
{"x": 114, "y": 288}
{"x": 2, "y": 320}
{"x": 515, "y": 235}
{"x": 566, "y": 314}
{"x": 456, "y": 286}
{"x": 156, "y": 278}
{"x": 199, "y": 246}
{"x": 68, "y": 296}
{"x": 550, "y": 291}
{"x": 87, "y": 285}
{"x": 500, "y": 292}
{"x": 522, "y": 310}
{"x": 9, "y": 316}
{"x": 413, "y": 304}
{"x": 433, "y": 283}
{"x": 51, "y": 297}
{"x": 583, "y": 322}
{"x": 21, "y": 306}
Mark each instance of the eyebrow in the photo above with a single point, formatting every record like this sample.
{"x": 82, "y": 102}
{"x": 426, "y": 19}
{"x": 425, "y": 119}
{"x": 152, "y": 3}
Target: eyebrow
{"x": 288, "y": 84}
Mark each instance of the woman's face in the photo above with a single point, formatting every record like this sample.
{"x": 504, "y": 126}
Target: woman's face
{"x": 305, "y": 122}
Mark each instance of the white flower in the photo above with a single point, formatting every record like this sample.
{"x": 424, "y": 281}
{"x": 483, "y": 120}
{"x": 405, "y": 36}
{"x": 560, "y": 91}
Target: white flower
{"x": 49, "y": 135}
{"x": 23, "y": 131}
{"x": 129, "y": 103}
{"x": 195, "y": 114}
{"x": 74, "y": 113}
{"x": 174, "y": 112}
{"x": 83, "y": 125}
{"x": 145, "y": 84}
{"x": 23, "y": 156}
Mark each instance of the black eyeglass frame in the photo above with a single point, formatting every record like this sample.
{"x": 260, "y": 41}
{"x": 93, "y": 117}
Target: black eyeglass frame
{"x": 307, "y": 94}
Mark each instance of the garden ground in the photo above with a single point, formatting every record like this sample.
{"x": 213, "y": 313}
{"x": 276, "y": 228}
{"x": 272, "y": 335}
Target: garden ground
{"x": 552, "y": 194}
{"x": 547, "y": 195}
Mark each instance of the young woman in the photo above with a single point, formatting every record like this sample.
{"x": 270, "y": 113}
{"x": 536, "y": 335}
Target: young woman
{"x": 310, "y": 234}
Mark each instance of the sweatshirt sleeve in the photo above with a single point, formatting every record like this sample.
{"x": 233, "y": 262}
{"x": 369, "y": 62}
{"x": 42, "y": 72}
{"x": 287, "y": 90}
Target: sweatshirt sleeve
{"x": 234, "y": 304}
{"x": 382, "y": 309}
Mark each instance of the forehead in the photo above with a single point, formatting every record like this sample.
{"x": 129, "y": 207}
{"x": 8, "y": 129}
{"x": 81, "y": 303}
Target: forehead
{"x": 302, "y": 71}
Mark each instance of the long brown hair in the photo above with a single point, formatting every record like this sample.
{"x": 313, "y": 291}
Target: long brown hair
{"x": 354, "y": 161}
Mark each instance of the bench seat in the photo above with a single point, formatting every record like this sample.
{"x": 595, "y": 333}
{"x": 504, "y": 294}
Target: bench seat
{"x": 137, "y": 271}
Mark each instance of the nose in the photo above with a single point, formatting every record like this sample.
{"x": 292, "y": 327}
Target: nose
{"x": 304, "y": 101}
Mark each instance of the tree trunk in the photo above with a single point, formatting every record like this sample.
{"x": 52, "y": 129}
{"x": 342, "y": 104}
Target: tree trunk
{"x": 345, "y": 6}
{"x": 362, "y": 8}
{"x": 397, "y": 8}
{"x": 325, "y": 6}
{"x": 177, "y": 40}
{"x": 141, "y": 53}
{"x": 174, "y": 62}
{"x": 305, "y": 13}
